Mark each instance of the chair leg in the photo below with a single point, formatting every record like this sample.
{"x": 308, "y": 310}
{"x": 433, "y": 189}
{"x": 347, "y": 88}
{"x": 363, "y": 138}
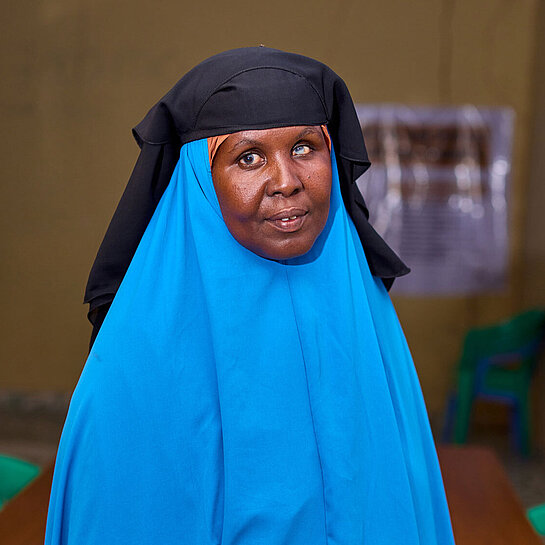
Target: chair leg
{"x": 463, "y": 409}
{"x": 523, "y": 425}
{"x": 450, "y": 413}
{"x": 514, "y": 426}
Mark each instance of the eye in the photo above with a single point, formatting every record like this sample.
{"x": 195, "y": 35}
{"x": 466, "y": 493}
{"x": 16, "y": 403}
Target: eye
{"x": 249, "y": 159}
{"x": 302, "y": 149}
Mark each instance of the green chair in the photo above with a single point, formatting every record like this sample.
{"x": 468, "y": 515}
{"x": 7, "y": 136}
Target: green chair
{"x": 15, "y": 474}
{"x": 497, "y": 364}
{"x": 536, "y": 515}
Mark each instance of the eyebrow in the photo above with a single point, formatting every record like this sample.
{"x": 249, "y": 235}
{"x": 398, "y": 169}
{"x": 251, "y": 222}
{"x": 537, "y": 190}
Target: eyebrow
{"x": 248, "y": 141}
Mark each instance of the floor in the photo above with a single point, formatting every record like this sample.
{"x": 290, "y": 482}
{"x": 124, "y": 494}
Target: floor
{"x": 31, "y": 426}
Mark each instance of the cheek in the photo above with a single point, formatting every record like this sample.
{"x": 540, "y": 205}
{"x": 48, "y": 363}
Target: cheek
{"x": 320, "y": 188}
{"x": 239, "y": 199}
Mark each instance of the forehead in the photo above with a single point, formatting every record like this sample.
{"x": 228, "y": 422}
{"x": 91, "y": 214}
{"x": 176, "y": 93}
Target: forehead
{"x": 272, "y": 136}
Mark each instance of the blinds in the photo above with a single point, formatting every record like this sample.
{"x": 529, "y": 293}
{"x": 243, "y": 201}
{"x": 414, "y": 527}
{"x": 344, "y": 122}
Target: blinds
{"x": 438, "y": 193}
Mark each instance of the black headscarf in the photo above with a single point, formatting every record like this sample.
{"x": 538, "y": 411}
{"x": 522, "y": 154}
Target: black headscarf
{"x": 240, "y": 89}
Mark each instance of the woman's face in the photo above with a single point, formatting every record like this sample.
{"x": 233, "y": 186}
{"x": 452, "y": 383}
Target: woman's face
{"x": 273, "y": 188}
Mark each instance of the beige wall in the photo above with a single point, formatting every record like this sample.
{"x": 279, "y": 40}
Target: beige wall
{"x": 534, "y": 234}
{"x": 80, "y": 74}
{"x": 534, "y": 240}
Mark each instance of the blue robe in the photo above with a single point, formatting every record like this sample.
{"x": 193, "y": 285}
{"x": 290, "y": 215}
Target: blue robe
{"x": 230, "y": 399}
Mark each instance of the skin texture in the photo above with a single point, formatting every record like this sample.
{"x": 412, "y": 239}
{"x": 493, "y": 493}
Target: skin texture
{"x": 261, "y": 176}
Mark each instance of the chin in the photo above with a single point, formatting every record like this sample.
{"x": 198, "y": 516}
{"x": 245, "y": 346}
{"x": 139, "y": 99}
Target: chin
{"x": 287, "y": 251}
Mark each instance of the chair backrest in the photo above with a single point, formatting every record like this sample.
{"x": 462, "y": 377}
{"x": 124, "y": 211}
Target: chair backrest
{"x": 15, "y": 474}
{"x": 520, "y": 336}
{"x": 536, "y": 515}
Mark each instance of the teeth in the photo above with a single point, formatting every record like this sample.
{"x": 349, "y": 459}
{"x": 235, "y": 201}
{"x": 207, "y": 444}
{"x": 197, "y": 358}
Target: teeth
{"x": 287, "y": 219}
{"x": 293, "y": 217}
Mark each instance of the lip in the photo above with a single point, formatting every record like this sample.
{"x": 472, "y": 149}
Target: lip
{"x": 288, "y": 213}
{"x": 291, "y": 225}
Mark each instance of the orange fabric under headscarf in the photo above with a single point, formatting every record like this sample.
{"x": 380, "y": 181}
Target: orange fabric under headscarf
{"x": 214, "y": 142}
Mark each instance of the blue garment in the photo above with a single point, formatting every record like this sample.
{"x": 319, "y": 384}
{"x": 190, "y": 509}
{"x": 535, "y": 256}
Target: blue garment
{"x": 230, "y": 399}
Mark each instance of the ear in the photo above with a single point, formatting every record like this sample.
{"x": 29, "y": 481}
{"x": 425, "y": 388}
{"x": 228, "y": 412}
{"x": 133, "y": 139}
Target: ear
{"x": 346, "y": 131}
{"x": 352, "y": 162}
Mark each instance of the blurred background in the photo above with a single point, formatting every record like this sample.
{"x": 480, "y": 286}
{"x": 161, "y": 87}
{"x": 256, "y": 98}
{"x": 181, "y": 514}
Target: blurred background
{"x": 77, "y": 76}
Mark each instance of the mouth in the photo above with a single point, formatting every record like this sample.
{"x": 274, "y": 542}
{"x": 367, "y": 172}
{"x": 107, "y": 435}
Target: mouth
{"x": 288, "y": 220}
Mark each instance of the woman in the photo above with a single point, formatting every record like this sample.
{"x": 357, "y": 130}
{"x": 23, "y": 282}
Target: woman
{"x": 250, "y": 383}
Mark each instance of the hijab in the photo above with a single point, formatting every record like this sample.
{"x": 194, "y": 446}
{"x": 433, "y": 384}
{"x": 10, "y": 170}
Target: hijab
{"x": 240, "y": 89}
{"x": 232, "y": 399}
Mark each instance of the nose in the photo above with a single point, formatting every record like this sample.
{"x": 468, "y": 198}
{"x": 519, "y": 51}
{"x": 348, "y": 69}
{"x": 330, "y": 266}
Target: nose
{"x": 283, "y": 178}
